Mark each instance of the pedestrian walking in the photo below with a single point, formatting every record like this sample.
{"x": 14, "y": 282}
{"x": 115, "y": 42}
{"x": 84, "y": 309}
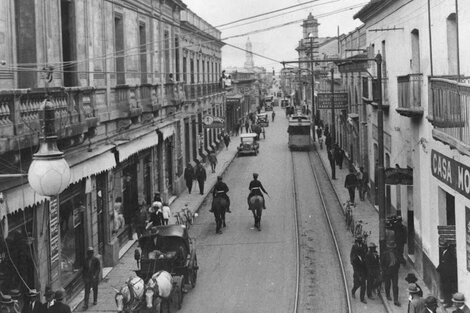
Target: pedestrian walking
{"x": 33, "y": 304}
{"x": 118, "y": 215}
{"x": 360, "y": 274}
{"x": 59, "y": 306}
{"x": 447, "y": 270}
{"x": 411, "y": 279}
{"x": 350, "y": 183}
{"x": 273, "y": 115}
{"x": 166, "y": 213}
{"x": 339, "y": 154}
{"x": 319, "y": 132}
{"x": 390, "y": 266}
{"x": 400, "y": 238}
{"x": 49, "y": 299}
{"x": 415, "y": 302}
{"x": 373, "y": 270}
{"x": 328, "y": 141}
{"x": 363, "y": 183}
{"x": 459, "y": 302}
{"x": 189, "y": 176}
{"x": 226, "y": 140}
{"x": 431, "y": 304}
{"x": 212, "y": 160}
{"x": 201, "y": 177}
{"x": 237, "y": 129}
{"x": 247, "y": 126}
{"x": 331, "y": 158}
{"x": 141, "y": 220}
{"x": 91, "y": 276}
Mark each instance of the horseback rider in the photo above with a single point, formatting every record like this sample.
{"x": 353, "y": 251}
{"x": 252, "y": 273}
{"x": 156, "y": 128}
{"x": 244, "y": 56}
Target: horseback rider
{"x": 220, "y": 190}
{"x": 255, "y": 189}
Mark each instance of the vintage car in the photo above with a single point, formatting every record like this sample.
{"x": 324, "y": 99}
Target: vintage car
{"x": 262, "y": 119}
{"x": 248, "y": 144}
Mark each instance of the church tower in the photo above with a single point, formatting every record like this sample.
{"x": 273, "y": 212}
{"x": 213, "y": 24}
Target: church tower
{"x": 249, "y": 64}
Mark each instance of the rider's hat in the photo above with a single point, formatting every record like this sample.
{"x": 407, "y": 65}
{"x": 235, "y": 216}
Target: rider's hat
{"x": 219, "y": 177}
{"x": 60, "y": 294}
{"x": 255, "y": 175}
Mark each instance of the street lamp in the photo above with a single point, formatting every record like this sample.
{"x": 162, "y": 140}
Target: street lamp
{"x": 49, "y": 173}
{"x": 311, "y": 38}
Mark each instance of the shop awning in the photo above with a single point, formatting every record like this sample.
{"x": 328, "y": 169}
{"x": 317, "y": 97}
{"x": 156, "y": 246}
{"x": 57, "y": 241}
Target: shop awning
{"x": 138, "y": 144}
{"x": 167, "y": 131}
{"x": 91, "y": 163}
{"x": 21, "y": 197}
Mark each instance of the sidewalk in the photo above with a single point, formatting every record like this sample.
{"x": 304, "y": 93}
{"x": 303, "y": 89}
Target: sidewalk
{"x": 116, "y": 276}
{"x": 369, "y": 214}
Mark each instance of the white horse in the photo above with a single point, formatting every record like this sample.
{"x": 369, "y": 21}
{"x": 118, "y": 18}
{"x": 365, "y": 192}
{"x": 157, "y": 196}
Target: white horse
{"x": 158, "y": 290}
{"x": 129, "y": 297}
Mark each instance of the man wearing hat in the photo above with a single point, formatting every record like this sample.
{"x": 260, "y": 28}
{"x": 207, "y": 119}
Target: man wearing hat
{"x": 430, "y": 303}
{"x": 220, "y": 190}
{"x": 91, "y": 276}
{"x": 411, "y": 279}
{"x": 49, "y": 297}
{"x": 400, "y": 238}
{"x": 415, "y": 302}
{"x": 360, "y": 273}
{"x": 255, "y": 188}
{"x": 447, "y": 270}
{"x": 373, "y": 270}
{"x": 459, "y": 302}
{"x": 32, "y": 305}
{"x": 390, "y": 266}
{"x": 59, "y": 306}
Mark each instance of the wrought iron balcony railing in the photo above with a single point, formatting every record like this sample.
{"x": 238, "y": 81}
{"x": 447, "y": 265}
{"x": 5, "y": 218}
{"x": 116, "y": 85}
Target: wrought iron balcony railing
{"x": 409, "y": 95}
{"x": 449, "y": 111}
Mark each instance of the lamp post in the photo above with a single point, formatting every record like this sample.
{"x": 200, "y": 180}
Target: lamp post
{"x": 333, "y": 126}
{"x": 49, "y": 173}
{"x": 314, "y": 115}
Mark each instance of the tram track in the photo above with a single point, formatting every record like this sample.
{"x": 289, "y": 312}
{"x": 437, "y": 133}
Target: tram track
{"x": 314, "y": 245}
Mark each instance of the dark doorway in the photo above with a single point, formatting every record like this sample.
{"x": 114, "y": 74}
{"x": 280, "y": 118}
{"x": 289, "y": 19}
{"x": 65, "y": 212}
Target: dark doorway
{"x": 101, "y": 209}
{"x": 169, "y": 164}
{"x": 450, "y": 209}
{"x": 119, "y": 49}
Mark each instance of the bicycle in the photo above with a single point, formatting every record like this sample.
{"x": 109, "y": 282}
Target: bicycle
{"x": 179, "y": 218}
{"x": 188, "y": 215}
{"x": 358, "y": 229}
{"x": 320, "y": 141}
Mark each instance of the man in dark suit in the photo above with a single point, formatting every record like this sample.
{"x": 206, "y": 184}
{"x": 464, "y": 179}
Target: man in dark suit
{"x": 49, "y": 297}
{"x": 390, "y": 266}
{"x": 91, "y": 276}
{"x": 201, "y": 177}
{"x": 33, "y": 305}
{"x": 59, "y": 306}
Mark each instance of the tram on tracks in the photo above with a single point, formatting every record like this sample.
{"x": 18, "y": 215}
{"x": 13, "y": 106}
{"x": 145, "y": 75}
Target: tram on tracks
{"x": 300, "y": 132}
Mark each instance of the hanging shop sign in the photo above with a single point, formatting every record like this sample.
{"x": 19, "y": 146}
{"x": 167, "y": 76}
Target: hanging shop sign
{"x": 399, "y": 176}
{"x": 452, "y": 173}
{"x": 232, "y": 101}
{"x": 353, "y": 66}
{"x": 54, "y": 241}
{"x": 340, "y": 98}
{"x": 210, "y": 121}
{"x": 467, "y": 232}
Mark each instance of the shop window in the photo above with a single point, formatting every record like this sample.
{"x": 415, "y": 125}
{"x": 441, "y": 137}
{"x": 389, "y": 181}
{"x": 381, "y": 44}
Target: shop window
{"x": 72, "y": 237}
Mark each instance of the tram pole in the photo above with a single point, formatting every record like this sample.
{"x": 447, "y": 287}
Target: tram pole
{"x": 380, "y": 165}
{"x": 333, "y": 127}
{"x": 313, "y": 86}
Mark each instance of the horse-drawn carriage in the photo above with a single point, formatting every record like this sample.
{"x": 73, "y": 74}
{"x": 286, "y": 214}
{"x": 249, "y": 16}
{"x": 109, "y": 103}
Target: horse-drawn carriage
{"x": 168, "y": 263}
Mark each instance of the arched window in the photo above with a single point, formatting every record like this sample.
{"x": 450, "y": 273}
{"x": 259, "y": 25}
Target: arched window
{"x": 452, "y": 52}
{"x": 415, "y": 61}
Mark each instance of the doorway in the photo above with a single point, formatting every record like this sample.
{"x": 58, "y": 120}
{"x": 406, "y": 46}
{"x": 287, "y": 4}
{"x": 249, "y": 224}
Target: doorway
{"x": 101, "y": 208}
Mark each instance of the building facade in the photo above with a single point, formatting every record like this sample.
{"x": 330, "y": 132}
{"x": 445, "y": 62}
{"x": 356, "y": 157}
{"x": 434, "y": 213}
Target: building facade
{"x": 425, "y": 126}
{"x": 130, "y": 83}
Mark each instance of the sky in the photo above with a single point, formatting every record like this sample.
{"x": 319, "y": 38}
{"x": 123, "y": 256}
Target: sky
{"x": 279, "y": 43}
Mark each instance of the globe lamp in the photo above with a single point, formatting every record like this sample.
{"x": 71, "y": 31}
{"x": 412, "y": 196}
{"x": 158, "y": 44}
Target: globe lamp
{"x": 49, "y": 173}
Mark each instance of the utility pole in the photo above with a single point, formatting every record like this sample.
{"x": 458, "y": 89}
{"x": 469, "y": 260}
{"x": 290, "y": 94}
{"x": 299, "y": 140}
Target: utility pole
{"x": 333, "y": 126}
{"x": 380, "y": 165}
{"x": 313, "y": 85}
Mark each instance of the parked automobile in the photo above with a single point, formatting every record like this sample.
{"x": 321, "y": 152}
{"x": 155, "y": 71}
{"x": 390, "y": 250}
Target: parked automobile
{"x": 262, "y": 119}
{"x": 248, "y": 144}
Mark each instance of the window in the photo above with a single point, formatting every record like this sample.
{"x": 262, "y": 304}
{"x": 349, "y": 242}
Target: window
{"x": 119, "y": 49}
{"x": 166, "y": 40}
{"x": 452, "y": 52}
{"x": 68, "y": 43}
{"x": 185, "y": 69}
{"x": 415, "y": 61}
{"x": 143, "y": 53}
{"x": 25, "y": 40}
{"x": 177, "y": 59}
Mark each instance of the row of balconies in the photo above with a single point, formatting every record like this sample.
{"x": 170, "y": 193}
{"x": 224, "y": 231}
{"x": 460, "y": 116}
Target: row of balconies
{"x": 80, "y": 109}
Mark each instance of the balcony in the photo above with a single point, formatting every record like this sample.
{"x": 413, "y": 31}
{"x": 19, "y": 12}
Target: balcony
{"x": 194, "y": 91}
{"x": 126, "y": 102}
{"x": 147, "y": 98}
{"x": 449, "y": 112}
{"x": 376, "y": 95}
{"x": 20, "y": 111}
{"x": 174, "y": 94}
{"x": 409, "y": 95}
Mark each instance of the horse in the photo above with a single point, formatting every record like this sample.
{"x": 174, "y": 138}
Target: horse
{"x": 256, "y": 205}
{"x": 158, "y": 290}
{"x": 129, "y": 297}
{"x": 219, "y": 206}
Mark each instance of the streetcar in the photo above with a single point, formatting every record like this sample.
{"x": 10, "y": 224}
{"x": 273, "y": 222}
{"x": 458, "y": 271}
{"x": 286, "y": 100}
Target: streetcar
{"x": 300, "y": 136}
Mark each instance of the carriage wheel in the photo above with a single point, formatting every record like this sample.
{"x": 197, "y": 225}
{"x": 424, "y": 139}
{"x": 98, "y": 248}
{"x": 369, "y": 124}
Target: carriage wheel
{"x": 177, "y": 297}
{"x": 193, "y": 273}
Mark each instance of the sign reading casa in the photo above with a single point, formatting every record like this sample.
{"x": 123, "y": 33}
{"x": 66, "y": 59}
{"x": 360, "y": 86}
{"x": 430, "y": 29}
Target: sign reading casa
{"x": 454, "y": 174}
